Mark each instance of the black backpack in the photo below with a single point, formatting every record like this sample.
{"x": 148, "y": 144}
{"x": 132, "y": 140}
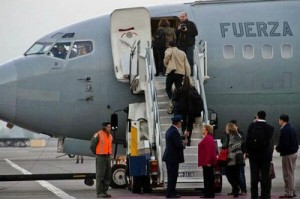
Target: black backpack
{"x": 159, "y": 39}
{"x": 195, "y": 102}
{"x": 257, "y": 141}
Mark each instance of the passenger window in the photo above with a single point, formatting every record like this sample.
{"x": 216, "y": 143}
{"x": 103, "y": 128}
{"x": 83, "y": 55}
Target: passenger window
{"x": 286, "y": 51}
{"x": 81, "y": 48}
{"x": 248, "y": 51}
{"x": 267, "y": 51}
{"x": 228, "y": 52}
{"x": 60, "y": 50}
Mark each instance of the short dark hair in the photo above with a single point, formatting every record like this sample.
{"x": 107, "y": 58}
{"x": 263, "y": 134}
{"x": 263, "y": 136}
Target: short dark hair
{"x": 104, "y": 124}
{"x": 172, "y": 43}
{"x": 233, "y": 122}
{"x": 261, "y": 115}
{"x": 284, "y": 117}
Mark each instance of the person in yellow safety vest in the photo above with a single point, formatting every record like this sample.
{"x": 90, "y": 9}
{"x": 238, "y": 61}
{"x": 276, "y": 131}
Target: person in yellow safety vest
{"x": 103, "y": 164}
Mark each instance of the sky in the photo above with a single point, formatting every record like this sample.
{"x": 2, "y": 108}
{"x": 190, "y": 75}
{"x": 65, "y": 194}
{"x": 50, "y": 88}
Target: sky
{"x": 24, "y": 22}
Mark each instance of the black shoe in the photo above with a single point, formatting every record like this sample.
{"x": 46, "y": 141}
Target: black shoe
{"x": 107, "y": 195}
{"x": 243, "y": 193}
{"x": 174, "y": 196}
{"x": 207, "y": 196}
{"x": 286, "y": 196}
{"x": 259, "y": 197}
{"x": 101, "y": 195}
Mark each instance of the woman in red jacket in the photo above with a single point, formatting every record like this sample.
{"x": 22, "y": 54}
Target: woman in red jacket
{"x": 207, "y": 158}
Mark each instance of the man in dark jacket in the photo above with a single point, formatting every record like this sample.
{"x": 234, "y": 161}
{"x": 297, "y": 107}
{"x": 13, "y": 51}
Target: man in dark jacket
{"x": 173, "y": 155}
{"x": 185, "y": 34}
{"x": 288, "y": 148}
{"x": 259, "y": 157}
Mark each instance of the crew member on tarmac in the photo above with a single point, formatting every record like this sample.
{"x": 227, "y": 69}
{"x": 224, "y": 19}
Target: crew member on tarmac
{"x": 103, "y": 164}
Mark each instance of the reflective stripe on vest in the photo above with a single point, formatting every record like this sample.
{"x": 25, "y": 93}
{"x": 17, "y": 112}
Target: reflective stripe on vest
{"x": 104, "y": 146}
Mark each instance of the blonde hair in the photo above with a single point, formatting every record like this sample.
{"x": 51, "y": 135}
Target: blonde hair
{"x": 209, "y": 128}
{"x": 231, "y": 128}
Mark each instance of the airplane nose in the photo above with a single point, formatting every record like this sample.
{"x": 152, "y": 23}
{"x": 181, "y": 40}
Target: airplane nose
{"x": 8, "y": 85}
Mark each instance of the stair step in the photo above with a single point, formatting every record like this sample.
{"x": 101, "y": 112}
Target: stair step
{"x": 195, "y": 134}
{"x": 190, "y": 175}
{"x": 187, "y": 183}
{"x": 163, "y": 98}
{"x": 194, "y": 142}
{"x": 188, "y": 150}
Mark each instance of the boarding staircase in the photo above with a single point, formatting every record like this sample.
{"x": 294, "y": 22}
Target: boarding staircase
{"x": 134, "y": 63}
{"x": 190, "y": 175}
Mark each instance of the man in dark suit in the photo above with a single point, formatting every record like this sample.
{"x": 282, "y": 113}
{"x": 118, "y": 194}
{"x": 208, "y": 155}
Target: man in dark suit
{"x": 259, "y": 157}
{"x": 173, "y": 155}
{"x": 288, "y": 147}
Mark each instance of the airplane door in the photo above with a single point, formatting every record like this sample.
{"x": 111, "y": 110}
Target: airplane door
{"x": 130, "y": 36}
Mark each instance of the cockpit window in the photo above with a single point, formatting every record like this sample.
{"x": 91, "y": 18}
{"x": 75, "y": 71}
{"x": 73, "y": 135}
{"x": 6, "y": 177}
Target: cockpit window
{"x": 68, "y": 35}
{"x": 38, "y": 48}
{"x": 81, "y": 48}
{"x": 60, "y": 50}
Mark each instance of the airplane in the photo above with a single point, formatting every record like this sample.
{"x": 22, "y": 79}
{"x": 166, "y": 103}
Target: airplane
{"x": 250, "y": 63}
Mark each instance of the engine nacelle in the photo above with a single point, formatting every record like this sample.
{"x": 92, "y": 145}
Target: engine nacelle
{"x": 74, "y": 146}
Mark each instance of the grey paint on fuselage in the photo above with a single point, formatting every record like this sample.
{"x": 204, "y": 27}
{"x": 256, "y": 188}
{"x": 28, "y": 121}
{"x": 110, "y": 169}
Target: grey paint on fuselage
{"x": 240, "y": 87}
{"x": 44, "y": 94}
{"x": 50, "y": 97}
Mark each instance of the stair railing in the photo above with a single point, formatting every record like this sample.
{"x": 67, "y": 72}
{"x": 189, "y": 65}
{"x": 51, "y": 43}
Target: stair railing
{"x": 200, "y": 70}
{"x": 154, "y": 125}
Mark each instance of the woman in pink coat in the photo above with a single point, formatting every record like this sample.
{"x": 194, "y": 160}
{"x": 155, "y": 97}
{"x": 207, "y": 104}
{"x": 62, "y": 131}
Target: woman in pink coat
{"x": 207, "y": 158}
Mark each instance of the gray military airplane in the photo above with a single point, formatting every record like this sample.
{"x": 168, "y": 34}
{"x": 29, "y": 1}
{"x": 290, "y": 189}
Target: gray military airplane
{"x": 73, "y": 79}
{"x": 251, "y": 60}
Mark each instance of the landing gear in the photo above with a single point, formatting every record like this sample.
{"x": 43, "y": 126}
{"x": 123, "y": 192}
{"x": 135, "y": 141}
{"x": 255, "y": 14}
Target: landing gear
{"x": 89, "y": 181}
{"x": 118, "y": 176}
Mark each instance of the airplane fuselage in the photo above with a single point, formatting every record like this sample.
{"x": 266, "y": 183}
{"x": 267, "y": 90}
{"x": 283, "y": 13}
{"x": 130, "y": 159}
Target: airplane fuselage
{"x": 252, "y": 63}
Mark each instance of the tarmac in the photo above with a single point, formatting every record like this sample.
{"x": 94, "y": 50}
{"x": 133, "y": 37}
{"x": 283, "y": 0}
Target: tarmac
{"x": 44, "y": 160}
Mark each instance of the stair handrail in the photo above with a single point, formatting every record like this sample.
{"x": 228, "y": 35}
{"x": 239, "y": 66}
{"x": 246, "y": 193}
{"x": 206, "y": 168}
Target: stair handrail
{"x": 199, "y": 78}
{"x": 156, "y": 128}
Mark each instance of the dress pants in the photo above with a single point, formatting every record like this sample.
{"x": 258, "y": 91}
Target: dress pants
{"x": 172, "y": 77}
{"x": 172, "y": 171}
{"x": 189, "y": 51}
{"x": 257, "y": 168}
{"x": 233, "y": 176}
{"x": 208, "y": 175}
{"x": 288, "y": 170}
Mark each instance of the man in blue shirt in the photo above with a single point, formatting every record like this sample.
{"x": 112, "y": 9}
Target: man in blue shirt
{"x": 288, "y": 148}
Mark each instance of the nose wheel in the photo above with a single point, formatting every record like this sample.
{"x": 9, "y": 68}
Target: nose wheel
{"x": 89, "y": 181}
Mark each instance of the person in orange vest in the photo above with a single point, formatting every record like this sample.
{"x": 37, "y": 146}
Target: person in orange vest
{"x": 103, "y": 164}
